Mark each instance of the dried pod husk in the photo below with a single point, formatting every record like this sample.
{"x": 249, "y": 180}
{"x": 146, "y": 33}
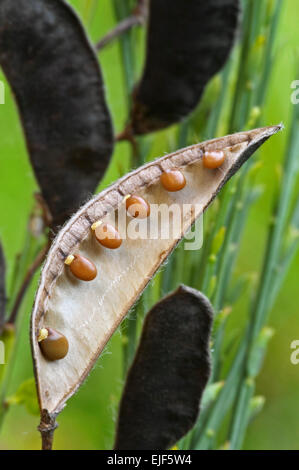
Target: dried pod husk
{"x": 89, "y": 313}
{"x": 164, "y": 386}
{"x": 2, "y": 288}
{"x": 58, "y": 86}
{"x": 187, "y": 43}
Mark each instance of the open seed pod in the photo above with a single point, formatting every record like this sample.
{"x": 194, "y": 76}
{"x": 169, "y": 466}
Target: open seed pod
{"x": 187, "y": 44}
{"x": 164, "y": 386}
{"x": 88, "y": 313}
{"x": 56, "y": 80}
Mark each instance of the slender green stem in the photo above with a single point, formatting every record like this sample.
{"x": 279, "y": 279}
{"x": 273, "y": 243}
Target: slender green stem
{"x": 234, "y": 385}
{"x": 122, "y": 10}
{"x": 222, "y": 405}
{"x": 214, "y": 119}
{"x": 277, "y": 230}
{"x": 26, "y": 283}
{"x": 242, "y": 414}
{"x": 242, "y": 70}
{"x": 121, "y": 28}
{"x": 27, "y": 264}
{"x": 9, "y": 339}
{"x": 265, "y": 297}
{"x": 268, "y": 56}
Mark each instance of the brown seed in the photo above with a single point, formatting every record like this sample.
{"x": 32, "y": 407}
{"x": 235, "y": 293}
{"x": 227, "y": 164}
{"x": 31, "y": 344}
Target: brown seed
{"x": 137, "y": 207}
{"x": 55, "y": 346}
{"x": 173, "y": 180}
{"x": 108, "y": 236}
{"x": 213, "y": 160}
{"x": 83, "y": 268}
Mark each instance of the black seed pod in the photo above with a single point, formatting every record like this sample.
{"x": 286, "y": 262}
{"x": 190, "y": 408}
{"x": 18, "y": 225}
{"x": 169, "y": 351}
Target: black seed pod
{"x": 58, "y": 86}
{"x": 187, "y": 43}
{"x": 164, "y": 386}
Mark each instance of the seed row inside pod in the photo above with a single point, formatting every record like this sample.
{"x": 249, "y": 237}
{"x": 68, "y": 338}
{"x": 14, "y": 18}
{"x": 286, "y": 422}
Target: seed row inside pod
{"x": 88, "y": 314}
{"x": 54, "y": 345}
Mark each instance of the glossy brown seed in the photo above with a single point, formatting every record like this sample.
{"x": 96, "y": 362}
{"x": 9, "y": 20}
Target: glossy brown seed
{"x": 213, "y": 160}
{"x": 108, "y": 236}
{"x": 137, "y": 207}
{"x": 55, "y": 346}
{"x": 83, "y": 268}
{"x": 173, "y": 180}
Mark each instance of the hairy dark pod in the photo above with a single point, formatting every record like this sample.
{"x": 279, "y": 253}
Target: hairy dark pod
{"x": 187, "y": 43}
{"x": 163, "y": 390}
{"x": 58, "y": 87}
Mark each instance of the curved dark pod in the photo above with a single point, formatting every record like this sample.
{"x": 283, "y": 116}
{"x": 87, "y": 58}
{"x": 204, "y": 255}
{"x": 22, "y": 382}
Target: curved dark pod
{"x": 171, "y": 368}
{"x": 58, "y": 86}
{"x": 187, "y": 43}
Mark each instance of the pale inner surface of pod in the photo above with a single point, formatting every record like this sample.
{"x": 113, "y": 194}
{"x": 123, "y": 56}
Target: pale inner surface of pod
{"x": 88, "y": 313}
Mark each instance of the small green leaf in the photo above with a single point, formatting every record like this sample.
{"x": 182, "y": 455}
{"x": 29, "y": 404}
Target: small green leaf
{"x": 218, "y": 240}
{"x": 212, "y": 286}
{"x": 256, "y": 405}
{"x": 211, "y": 393}
{"x": 258, "y": 352}
{"x": 26, "y": 395}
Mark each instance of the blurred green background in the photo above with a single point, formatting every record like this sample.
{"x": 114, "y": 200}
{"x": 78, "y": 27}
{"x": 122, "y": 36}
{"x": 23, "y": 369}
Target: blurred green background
{"x": 88, "y": 420}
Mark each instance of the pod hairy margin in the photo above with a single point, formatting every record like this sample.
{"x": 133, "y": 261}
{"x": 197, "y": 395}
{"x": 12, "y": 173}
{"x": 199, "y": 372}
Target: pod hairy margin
{"x": 164, "y": 386}
{"x": 187, "y": 43}
{"x": 89, "y": 313}
{"x": 58, "y": 86}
